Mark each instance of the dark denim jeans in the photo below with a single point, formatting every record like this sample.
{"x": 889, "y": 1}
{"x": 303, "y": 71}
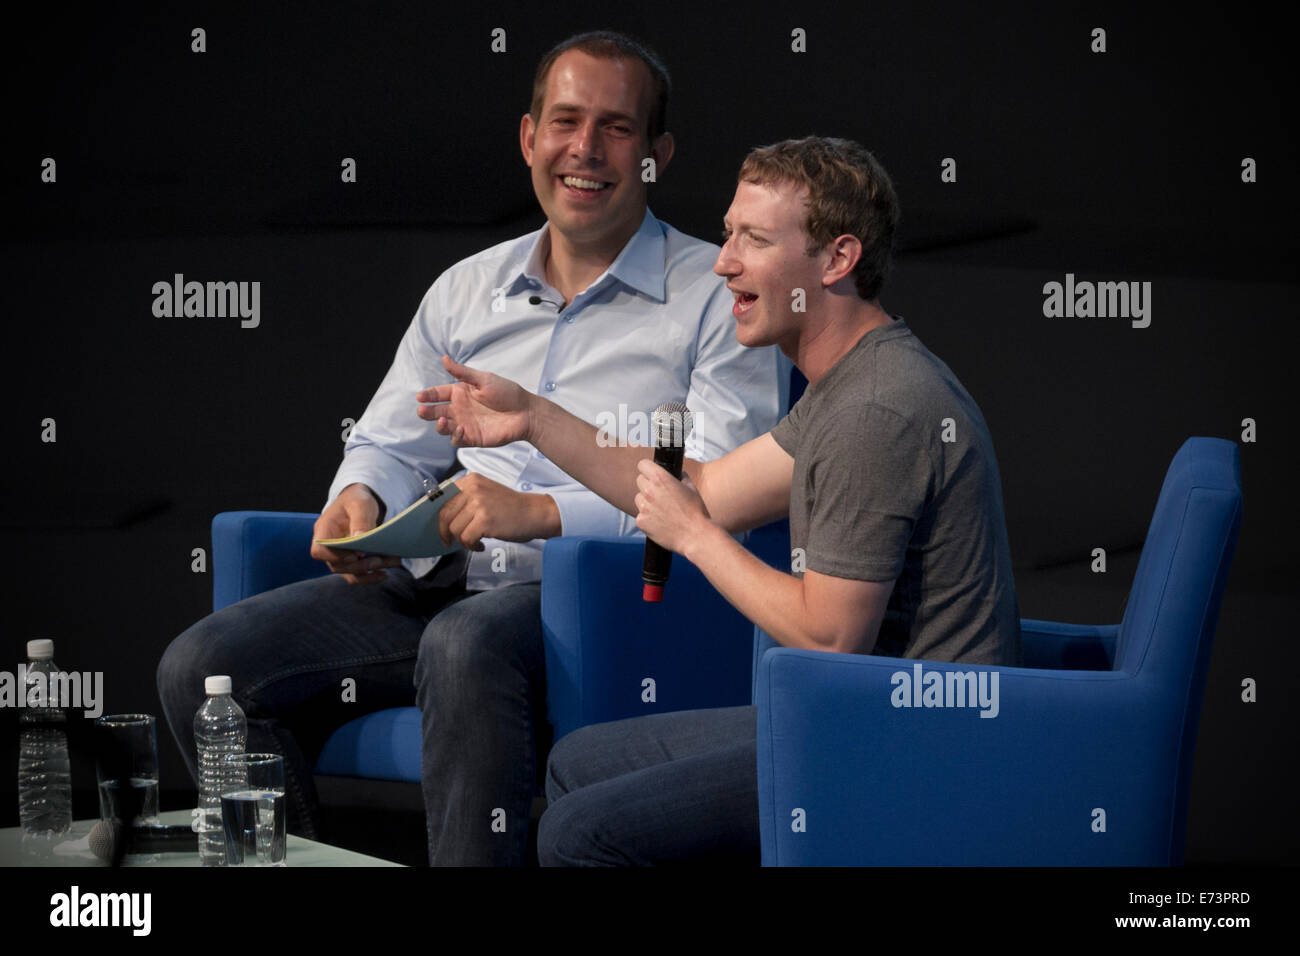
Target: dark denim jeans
{"x": 473, "y": 662}
{"x": 663, "y": 789}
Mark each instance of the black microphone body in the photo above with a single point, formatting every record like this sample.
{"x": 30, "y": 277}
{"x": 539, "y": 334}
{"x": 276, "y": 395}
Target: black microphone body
{"x": 670, "y": 424}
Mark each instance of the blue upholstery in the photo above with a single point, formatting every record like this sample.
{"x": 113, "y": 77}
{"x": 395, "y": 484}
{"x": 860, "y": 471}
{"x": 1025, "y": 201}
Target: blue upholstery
{"x": 384, "y": 745}
{"x": 255, "y": 551}
{"x": 603, "y": 641}
{"x": 1100, "y": 719}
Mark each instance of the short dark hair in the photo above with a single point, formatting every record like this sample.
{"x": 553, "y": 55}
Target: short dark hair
{"x": 848, "y": 192}
{"x": 608, "y": 45}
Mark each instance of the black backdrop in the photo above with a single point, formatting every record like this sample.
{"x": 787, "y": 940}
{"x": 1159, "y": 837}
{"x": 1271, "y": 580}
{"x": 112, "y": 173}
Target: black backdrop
{"x": 224, "y": 165}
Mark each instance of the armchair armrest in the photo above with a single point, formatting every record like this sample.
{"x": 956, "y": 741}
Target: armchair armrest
{"x": 1074, "y": 647}
{"x": 254, "y": 551}
{"x": 847, "y": 775}
{"x": 610, "y": 655}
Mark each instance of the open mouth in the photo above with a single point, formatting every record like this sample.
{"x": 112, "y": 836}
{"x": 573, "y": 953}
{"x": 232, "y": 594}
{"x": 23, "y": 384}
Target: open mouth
{"x": 585, "y": 187}
{"x": 744, "y": 302}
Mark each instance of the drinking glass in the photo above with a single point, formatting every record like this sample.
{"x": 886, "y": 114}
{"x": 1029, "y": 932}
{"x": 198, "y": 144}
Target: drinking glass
{"x": 126, "y": 767}
{"x": 253, "y": 809}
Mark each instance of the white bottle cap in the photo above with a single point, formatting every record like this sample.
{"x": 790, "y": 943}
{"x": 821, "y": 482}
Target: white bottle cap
{"x": 41, "y": 649}
{"x": 216, "y": 685}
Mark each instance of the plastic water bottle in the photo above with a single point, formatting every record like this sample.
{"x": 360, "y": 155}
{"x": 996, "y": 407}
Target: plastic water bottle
{"x": 219, "y": 729}
{"x": 44, "y": 773}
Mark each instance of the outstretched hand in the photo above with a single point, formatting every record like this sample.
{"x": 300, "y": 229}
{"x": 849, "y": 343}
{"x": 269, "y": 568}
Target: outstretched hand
{"x": 482, "y": 410}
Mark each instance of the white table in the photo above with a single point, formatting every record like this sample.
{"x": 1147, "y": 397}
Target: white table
{"x": 73, "y": 849}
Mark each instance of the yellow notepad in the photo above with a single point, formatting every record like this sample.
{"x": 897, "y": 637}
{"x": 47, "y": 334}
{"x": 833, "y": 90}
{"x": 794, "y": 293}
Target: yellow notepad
{"x": 411, "y": 534}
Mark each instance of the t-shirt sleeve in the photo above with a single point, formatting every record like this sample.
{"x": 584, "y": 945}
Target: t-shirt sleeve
{"x": 786, "y": 431}
{"x": 870, "y": 479}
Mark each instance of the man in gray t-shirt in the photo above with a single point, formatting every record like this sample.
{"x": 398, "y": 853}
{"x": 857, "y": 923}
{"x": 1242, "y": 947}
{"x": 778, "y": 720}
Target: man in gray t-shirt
{"x": 895, "y": 480}
{"x": 885, "y": 468}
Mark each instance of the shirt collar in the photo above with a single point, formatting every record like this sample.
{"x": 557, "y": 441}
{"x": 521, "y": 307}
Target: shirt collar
{"x": 639, "y": 264}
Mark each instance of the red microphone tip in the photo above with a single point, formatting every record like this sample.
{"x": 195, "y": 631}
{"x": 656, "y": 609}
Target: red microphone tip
{"x": 652, "y": 592}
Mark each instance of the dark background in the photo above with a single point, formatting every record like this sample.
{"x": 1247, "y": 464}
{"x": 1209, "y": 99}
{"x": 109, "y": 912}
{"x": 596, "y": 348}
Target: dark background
{"x": 225, "y": 166}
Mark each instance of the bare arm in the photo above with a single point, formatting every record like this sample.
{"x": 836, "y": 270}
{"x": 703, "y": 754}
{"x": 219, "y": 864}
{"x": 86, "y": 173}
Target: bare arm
{"x": 816, "y": 612}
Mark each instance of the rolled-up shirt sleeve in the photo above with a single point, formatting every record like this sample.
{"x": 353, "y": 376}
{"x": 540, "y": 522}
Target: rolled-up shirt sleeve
{"x": 584, "y": 513}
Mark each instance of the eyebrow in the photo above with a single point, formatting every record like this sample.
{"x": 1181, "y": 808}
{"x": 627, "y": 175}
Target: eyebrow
{"x": 612, "y": 115}
{"x": 744, "y": 227}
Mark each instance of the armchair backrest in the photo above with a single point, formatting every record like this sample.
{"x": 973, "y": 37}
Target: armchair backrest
{"x": 1180, "y": 577}
{"x": 1168, "y": 627}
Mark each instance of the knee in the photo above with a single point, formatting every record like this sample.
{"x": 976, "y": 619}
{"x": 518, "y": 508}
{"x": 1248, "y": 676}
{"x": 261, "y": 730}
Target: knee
{"x": 461, "y": 654}
{"x": 186, "y": 661}
{"x": 217, "y": 644}
{"x": 561, "y": 778}
{"x": 565, "y": 835}
{"x": 447, "y": 658}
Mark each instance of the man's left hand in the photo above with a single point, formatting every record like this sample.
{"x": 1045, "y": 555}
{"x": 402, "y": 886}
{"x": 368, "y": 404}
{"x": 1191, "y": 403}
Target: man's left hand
{"x": 669, "y": 511}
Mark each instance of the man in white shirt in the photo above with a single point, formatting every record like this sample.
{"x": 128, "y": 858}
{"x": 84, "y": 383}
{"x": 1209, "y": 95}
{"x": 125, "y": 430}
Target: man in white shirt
{"x": 603, "y": 307}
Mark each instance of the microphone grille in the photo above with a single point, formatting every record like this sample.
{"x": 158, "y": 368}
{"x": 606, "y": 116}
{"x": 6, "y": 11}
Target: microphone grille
{"x": 103, "y": 839}
{"x": 671, "y": 424}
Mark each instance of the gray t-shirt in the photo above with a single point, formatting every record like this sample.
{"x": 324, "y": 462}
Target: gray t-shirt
{"x": 895, "y": 477}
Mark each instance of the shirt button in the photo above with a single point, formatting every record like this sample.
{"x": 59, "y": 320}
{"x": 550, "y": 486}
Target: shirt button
{"x": 550, "y": 386}
{"x": 569, "y": 319}
{"x": 527, "y": 486}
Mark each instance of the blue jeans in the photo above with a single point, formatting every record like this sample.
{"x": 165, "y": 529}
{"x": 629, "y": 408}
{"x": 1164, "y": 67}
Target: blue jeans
{"x": 662, "y": 789}
{"x": 472, "y": 661}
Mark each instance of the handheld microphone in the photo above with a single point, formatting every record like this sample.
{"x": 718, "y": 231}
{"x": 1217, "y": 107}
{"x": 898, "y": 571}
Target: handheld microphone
{"x": 110, "y": 840}
{"x": 670, "y": 424}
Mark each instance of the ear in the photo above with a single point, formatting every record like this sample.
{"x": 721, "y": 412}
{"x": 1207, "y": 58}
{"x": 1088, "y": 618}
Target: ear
{"x": 662, "y": 150}
{"x": 844, "y": 251}
{"x": 527, "y": 134}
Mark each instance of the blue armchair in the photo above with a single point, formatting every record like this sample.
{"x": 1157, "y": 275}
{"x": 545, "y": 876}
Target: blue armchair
{"x": 1088, "y": 759}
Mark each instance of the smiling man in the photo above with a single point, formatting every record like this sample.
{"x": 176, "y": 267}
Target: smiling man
{"x": 885, "y": 468}
{"x": 603, "y": 306}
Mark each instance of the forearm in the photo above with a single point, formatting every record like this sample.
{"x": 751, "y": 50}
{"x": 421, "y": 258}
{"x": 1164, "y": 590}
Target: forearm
{"x": 546, "y": 516}
{"x": 575, "y": 446}
{"x": 770, "y": 598}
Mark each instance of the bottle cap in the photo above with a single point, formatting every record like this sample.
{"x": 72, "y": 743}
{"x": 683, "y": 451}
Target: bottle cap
{"x": 41, "y": 649}
{"x": 214, "y": 686}
{"x": 652, "y": 592}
